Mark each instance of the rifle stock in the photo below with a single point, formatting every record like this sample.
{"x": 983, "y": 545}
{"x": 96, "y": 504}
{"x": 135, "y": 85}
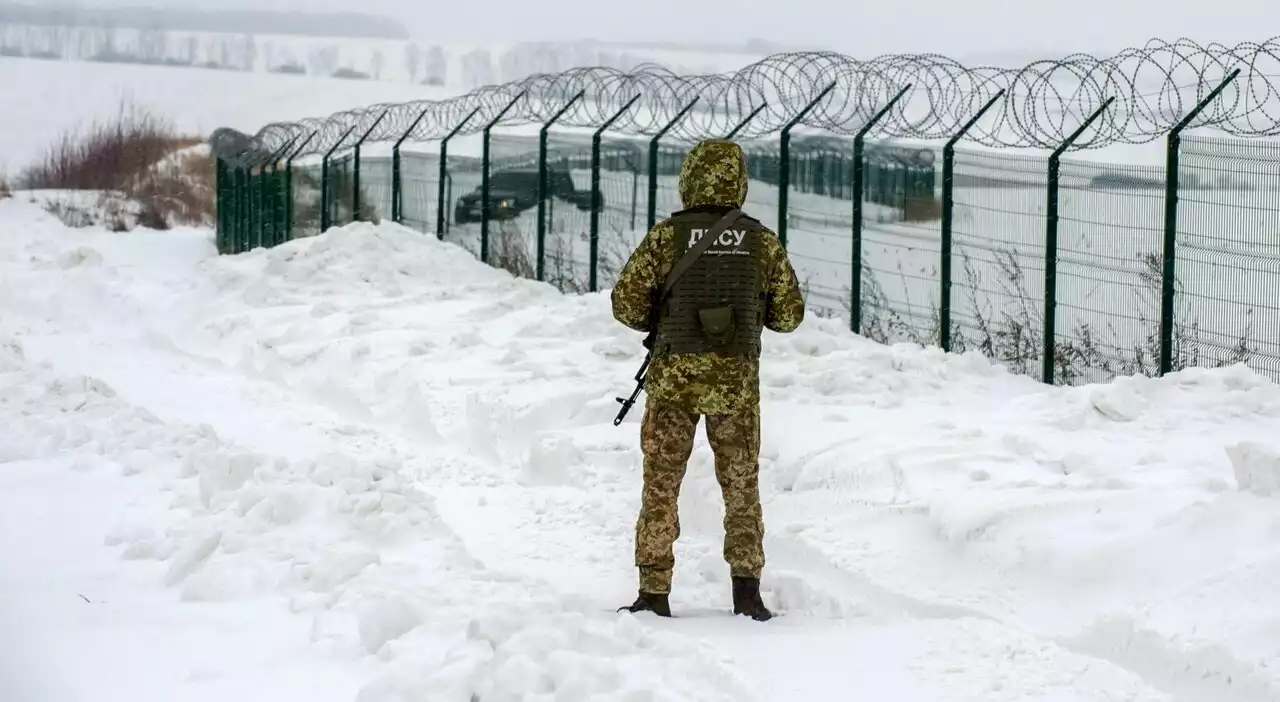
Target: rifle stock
{"x": 627, "y": 402}
{"x": 650, "y": 340}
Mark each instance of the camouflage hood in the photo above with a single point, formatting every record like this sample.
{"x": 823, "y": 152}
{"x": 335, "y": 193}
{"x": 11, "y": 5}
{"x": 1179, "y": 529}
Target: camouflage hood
{"x": 714, "y": 173}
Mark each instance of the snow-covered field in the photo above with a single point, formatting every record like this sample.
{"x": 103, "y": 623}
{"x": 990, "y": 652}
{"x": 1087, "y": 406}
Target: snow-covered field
{"x": 361, "y": 466}
{"x": 44, "y": 99}
{"x": 455, "y": 63}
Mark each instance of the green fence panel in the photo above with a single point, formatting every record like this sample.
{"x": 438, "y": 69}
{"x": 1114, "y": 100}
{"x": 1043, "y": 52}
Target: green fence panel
{"x": 1227, "y": 279}
{"x": 998, "y": 258}
{"x": 1111, "y": 229}
{"x": 1108, "y": 266}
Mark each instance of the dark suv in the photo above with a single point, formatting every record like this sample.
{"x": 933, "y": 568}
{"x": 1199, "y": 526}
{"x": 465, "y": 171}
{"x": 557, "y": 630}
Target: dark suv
{"x": 514, "y": 191}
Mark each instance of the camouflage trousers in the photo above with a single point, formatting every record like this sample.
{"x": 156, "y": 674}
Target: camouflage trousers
{"x": 666, "y": 439}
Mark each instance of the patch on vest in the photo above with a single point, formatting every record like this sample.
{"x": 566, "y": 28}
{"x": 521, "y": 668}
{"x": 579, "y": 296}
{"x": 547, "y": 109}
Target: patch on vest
{"x": 729, "y": 243}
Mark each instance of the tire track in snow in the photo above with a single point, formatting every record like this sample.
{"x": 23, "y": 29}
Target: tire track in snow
{"x": 1195, "y": 673}
{"x": 1200, "y": 674}
{"x": 1187, "y": 672}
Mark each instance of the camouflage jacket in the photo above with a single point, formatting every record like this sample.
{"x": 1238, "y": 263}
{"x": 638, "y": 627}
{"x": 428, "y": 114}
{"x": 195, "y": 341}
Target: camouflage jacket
{"x": 714, "y": 173}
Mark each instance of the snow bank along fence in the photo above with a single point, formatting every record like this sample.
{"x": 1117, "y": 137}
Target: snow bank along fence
{"x": 1070, "y": 270}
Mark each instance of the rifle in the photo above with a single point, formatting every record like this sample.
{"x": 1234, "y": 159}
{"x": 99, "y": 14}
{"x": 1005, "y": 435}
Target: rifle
{"x": 627, "y": 402}
{"x": 682, "y": 265}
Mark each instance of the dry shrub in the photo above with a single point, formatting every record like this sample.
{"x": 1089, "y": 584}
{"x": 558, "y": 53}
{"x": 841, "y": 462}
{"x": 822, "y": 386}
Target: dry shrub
{"x": 180, "y": 190}
{"x": 134, "y": 157}
{"x": 5, "y": 192}
{"x": 106, "y": 156}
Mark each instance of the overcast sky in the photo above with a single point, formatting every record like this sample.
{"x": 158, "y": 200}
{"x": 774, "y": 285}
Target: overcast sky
{"x": 857, "y": 27}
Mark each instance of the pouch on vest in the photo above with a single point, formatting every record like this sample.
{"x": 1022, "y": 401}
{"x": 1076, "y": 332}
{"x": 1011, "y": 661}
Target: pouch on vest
{"x": 717, "y": 324}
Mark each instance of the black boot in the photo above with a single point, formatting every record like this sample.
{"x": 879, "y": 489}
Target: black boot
{"x": 650, "y": 602}
{"x": 746, "y": 599}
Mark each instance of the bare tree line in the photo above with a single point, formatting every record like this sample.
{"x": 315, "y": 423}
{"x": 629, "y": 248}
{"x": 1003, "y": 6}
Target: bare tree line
{"x": 426, "y": 65}
{"x": 216, "y": 21}
{"x": 235, "y": 52}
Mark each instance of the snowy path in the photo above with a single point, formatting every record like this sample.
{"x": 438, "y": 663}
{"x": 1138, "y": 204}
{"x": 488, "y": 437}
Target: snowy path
{"x": 401, "y": 464}
{"x": 86, "y": 468}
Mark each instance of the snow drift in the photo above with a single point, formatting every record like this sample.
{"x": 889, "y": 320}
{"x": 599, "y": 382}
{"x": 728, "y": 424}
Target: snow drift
{"x": 402, "y": 463}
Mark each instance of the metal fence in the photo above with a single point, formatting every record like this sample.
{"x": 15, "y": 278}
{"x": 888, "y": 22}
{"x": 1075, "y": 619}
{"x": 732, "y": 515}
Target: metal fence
{"x": 1067, "y": 270}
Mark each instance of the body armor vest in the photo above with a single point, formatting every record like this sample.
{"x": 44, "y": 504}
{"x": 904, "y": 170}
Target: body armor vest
{"x": 718, "y": 304}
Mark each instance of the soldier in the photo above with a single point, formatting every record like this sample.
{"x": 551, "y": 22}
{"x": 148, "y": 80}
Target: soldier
{"x": 706, "y": 364}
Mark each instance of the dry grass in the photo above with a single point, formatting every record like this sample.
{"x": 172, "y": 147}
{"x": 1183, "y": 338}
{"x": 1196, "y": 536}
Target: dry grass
{"x": 147, "y": 173}
{"x": 512, "y": 252}
{"x": 107, "y": 210}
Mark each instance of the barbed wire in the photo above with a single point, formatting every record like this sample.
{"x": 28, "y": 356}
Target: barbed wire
{"x": 1154, "y": 87}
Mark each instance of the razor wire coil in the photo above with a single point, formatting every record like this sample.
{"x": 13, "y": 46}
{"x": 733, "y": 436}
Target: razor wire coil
{"x": 1154, "y": 87}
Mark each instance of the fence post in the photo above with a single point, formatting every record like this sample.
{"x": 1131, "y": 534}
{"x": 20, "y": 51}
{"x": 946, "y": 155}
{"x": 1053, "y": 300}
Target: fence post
{"x": 274, "y": 206}
{"x": 653, "y": 161}
{"x": 219, "y": 203}
{"x": 245, "y": 191}
{"x": 288, "y": 185}
{"x": 226, "y": 206}
{"x": 232, "y": 217}
{"x": 242, "y": 208}
{"x": 1051, "y": 244}
{"x": 855, "y": 273}
{"x": 1167, "y": 276}
{"x": 272, "y": 225}
{"x": 277, "y": 183}
{"x": 542, "y": 181}
{"x": 268, "y": 201}
{"x": 246, "y": 207}
{"x": 260, "y": 230}
{"x": 260, "y": 210}
{"x": 635, "y": 190}
{"x": 356, "y": 205}
{"x": 230, "y": 171}
{"x": 254, "y": 235}
{"x": 595, "y": 188}
{"x": 743, "y": 124}
{"x": 444, "y": 172}
{"x": 784, "y": 163}
{"x": 484, "y": 177}
{"x": 948, "y": 202}
{"x": 397, "y": 199}
{"x": 325, "y": 220}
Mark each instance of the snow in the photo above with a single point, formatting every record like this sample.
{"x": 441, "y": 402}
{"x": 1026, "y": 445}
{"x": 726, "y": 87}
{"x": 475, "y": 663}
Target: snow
{"x": 45, "y": 99}
{"x": 363, "y": 467}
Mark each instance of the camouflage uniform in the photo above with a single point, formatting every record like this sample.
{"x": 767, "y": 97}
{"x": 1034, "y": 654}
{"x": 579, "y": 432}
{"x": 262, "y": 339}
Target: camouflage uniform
{"x": 723, "y": 388}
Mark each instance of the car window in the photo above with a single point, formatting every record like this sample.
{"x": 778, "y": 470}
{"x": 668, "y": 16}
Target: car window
{"x": 560, "y": 181}
{"x": 514, "y": 181}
